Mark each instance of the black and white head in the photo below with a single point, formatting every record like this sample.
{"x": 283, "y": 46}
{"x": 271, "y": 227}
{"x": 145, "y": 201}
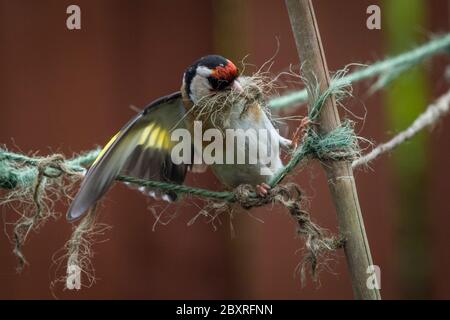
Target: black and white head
{"x": 210, "y": 74}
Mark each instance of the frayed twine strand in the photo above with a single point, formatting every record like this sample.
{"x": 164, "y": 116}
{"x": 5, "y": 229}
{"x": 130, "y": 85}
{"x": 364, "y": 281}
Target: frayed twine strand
{"x": 52, "y": 167}
{"x": 318, "y": 243}
{"x": 428, "y": 118}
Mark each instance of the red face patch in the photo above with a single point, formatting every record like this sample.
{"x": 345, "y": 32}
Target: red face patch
{"x": 229, "y": 72}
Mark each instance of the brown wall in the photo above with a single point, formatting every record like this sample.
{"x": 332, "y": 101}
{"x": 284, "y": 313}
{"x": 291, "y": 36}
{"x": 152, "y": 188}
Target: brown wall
{"x": 68, "y": 91}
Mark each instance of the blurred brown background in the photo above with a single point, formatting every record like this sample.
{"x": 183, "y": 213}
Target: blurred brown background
{"x": 68, "y": 91}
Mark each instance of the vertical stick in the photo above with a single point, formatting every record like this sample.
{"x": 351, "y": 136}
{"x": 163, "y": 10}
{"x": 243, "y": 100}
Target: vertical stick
{"x": 340, "y": 176}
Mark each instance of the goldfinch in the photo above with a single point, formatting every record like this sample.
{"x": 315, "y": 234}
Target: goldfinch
{"x": 143, "y": 147}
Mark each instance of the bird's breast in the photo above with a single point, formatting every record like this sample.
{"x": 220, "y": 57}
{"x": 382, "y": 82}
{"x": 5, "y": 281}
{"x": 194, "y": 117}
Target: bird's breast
{"x": 256, "y": 140}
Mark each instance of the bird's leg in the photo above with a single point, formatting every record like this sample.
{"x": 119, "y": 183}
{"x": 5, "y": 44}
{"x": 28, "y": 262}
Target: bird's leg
{"x": 285, "y": 143}
{"x": 291, "y": 145}
{"x": 262, "y": 189}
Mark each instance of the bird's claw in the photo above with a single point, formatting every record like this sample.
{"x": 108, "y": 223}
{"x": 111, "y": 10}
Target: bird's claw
{"x": 262, "y": 189}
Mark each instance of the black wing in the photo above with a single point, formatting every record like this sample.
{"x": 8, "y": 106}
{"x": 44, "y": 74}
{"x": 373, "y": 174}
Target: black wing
{"x": 140, "y": 149}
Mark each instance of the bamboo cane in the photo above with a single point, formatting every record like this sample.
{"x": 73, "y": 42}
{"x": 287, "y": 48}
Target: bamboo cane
{"x": 340, "y": 176}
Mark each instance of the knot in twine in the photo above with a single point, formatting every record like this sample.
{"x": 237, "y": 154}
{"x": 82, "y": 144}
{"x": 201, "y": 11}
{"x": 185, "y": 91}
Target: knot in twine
{"x": 317, "y": 240}
{"x": 339, "y": 144}
{"x": 49, "y": 167}
{"x": 53, "y": 166}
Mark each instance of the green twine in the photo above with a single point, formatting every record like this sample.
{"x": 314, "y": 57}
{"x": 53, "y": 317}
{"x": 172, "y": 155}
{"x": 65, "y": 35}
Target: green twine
{"x": 388, "y": 70}
{"x": 180, "y": 189}
{"x": 339, "y": 144}
{"x": 12, "y": 175}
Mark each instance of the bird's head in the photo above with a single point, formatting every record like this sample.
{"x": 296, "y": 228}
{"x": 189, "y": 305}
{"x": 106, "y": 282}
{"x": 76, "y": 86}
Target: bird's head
{"x": 208, "y": 75}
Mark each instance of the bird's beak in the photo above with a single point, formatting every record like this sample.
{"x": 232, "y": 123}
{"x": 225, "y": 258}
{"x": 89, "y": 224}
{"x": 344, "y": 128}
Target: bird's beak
{"x": 237, "y": 86}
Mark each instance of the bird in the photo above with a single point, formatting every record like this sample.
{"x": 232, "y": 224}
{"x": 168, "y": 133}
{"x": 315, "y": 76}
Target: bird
{"x": 142, "y": 148}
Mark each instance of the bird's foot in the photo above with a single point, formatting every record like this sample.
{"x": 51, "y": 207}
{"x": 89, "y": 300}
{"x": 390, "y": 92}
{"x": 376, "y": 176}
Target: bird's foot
{"x": 262, "y": 189}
